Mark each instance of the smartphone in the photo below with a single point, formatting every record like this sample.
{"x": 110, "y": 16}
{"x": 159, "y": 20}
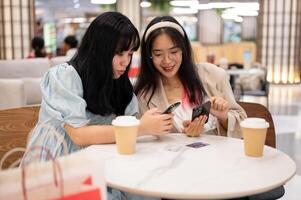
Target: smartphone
{"x": 171, "y": 108}
{"x": 203, "y": 109}
{"x": 197, "y": 145}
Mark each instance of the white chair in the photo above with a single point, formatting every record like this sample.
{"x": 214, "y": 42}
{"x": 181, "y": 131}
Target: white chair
{"x": 58, "y": 60}
{"x": 12, "y": 93}
{"x": 29, "y": 72}
{"x": 21, "y": 68}
{"x": 32, "y": 90}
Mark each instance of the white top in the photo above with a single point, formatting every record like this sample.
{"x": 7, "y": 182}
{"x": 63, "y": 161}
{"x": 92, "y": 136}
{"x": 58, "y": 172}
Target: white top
{"x": 168, "y": 168}
{"x": 71, "y": 52}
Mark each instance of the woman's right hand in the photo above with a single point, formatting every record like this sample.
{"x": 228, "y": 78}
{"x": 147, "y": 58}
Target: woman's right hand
{"x": 155, "y": 123}
{"x": 196, "y": 127}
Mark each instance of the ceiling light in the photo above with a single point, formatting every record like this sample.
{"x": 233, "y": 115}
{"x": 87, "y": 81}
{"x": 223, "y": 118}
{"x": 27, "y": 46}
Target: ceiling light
{"x": 241, "y": 12}
{"x": 145, "y": 4}
{"x": 238, "y": 19}
{"x": 77, "y": 5}
{"x": 103, "y": 1}
{"x": 248, "y": 6}
{"x": 205, "y": 6}
{"x": 184, "y": 11}
{"x": 221, "y": 5}
{"x": 79, "y": 20}
{"x": 187, "y": 3}
{"x": 232, "y": 17}
{"x": 228, "y": 16}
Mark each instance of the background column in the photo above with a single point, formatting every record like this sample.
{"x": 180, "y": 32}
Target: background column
{"x": 17, "y": 21}
{"x": 279, "y": 39}
{"x": 131, "y": 9}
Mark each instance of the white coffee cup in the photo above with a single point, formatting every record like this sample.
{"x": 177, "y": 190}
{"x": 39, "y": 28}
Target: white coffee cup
{"x": 126, "y": 129}
{"x": 254, "y": 134}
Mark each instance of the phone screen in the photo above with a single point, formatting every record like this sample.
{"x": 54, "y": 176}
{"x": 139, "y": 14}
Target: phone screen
{"x": 203, "y": 109}
{"x": 197, "y": 145}
{"x": 171, "y": 108}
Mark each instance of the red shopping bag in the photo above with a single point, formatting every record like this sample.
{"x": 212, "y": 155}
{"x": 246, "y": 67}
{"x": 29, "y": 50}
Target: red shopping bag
{"x": 73, "y": 189}
{"x": 65, "y": 178}
{"x": 87, "y": 193}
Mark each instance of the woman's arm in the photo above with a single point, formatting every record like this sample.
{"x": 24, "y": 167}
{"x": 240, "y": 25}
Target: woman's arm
{"x": 154, "y": 123}
{"x": 231, "y": 126}
{"x": 217, "y": 85}
{"x": 91, "y": 134}
{"x": 220, "y": 108}
{"x": 151, "y": 123}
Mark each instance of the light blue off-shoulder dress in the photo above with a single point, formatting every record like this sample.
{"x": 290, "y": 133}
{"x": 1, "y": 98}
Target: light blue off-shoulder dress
{"x": 63, "y": 102}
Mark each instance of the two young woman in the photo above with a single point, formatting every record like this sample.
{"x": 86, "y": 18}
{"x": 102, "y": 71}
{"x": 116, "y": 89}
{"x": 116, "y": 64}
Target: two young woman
{"x": 83, "y": 96}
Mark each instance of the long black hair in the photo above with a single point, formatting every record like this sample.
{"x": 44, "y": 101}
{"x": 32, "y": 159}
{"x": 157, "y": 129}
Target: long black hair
{"x": 109, "y": 34}
{"x": 149, "y": 76}
{"x": 38, "y": 45}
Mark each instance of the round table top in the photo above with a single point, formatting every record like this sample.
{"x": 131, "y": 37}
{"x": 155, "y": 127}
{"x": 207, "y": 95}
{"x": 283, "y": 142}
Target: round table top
{"x": 167, "y": 168}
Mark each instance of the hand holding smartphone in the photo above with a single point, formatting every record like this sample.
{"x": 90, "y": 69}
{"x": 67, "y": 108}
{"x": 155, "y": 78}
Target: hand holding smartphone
{"x": 171, "y": 108}
{"x": 203, "y": 109}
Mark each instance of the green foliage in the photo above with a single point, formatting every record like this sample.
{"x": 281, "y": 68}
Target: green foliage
{"x": 161, "y": 5}
{"x": 219, "y": 11}
{"x": 108, "y": 7}
{"x": 252, "y": 39}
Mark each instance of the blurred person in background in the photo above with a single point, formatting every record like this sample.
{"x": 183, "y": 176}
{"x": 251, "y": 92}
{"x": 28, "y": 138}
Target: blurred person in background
{"x": 69, "y": 47}
{"x": 38, "y": 48}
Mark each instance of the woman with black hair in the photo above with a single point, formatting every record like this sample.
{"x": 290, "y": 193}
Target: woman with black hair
{"x": 38, "y": 46}
{"x": 168, "y": 74}
{"x": 83, "y": 96}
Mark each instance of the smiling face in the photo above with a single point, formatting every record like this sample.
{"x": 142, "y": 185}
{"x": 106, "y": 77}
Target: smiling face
{"x": 166, "y": 56}
{"x": 120, "y": 63}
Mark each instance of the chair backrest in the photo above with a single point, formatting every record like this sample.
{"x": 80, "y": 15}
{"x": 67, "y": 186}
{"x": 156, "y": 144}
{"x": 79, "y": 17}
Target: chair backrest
{"x": 15, "y": 125}
{"x": 12, "y": 93}
{"x": 258, "y": 110}
{"x": 21, "y": 68}
{"x": 59, "y": 60}
{"x": 32, "y": 90}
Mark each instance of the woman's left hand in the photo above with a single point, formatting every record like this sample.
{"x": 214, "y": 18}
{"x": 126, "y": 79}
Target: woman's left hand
{"x": 219, "y": 108}
{"x": 196, "y": 127}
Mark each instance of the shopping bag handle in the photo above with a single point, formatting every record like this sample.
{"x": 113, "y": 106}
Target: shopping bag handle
{"x": 8, "y": 154}
{"x": 57, "y": 172}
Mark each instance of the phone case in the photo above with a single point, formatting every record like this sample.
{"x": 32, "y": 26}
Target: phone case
{"x": 171, "y": 108}
{"x": 203, "y": 109}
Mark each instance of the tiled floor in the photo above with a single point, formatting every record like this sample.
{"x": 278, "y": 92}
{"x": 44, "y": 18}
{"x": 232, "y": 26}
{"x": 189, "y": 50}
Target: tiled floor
{"x": 285, "y": 106}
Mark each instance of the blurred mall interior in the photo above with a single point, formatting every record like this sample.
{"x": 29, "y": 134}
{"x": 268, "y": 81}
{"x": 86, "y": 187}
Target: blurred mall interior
{"x": 238, "y": 34}
{"x": 243, "y": 32}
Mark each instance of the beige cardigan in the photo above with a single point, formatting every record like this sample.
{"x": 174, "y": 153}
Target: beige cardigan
{"x": 216, "y": 83}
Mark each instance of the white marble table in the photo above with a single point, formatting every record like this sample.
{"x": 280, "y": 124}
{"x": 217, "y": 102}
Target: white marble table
{"x": 168, "y": 168}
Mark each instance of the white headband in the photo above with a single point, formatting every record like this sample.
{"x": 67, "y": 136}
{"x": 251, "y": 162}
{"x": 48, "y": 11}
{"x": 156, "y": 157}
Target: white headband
{"x": 162, "y": 25}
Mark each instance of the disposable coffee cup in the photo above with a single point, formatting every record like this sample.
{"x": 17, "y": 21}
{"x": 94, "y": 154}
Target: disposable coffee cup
{"x": 126, "y": 129}
{"x": 254, "y": 134}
